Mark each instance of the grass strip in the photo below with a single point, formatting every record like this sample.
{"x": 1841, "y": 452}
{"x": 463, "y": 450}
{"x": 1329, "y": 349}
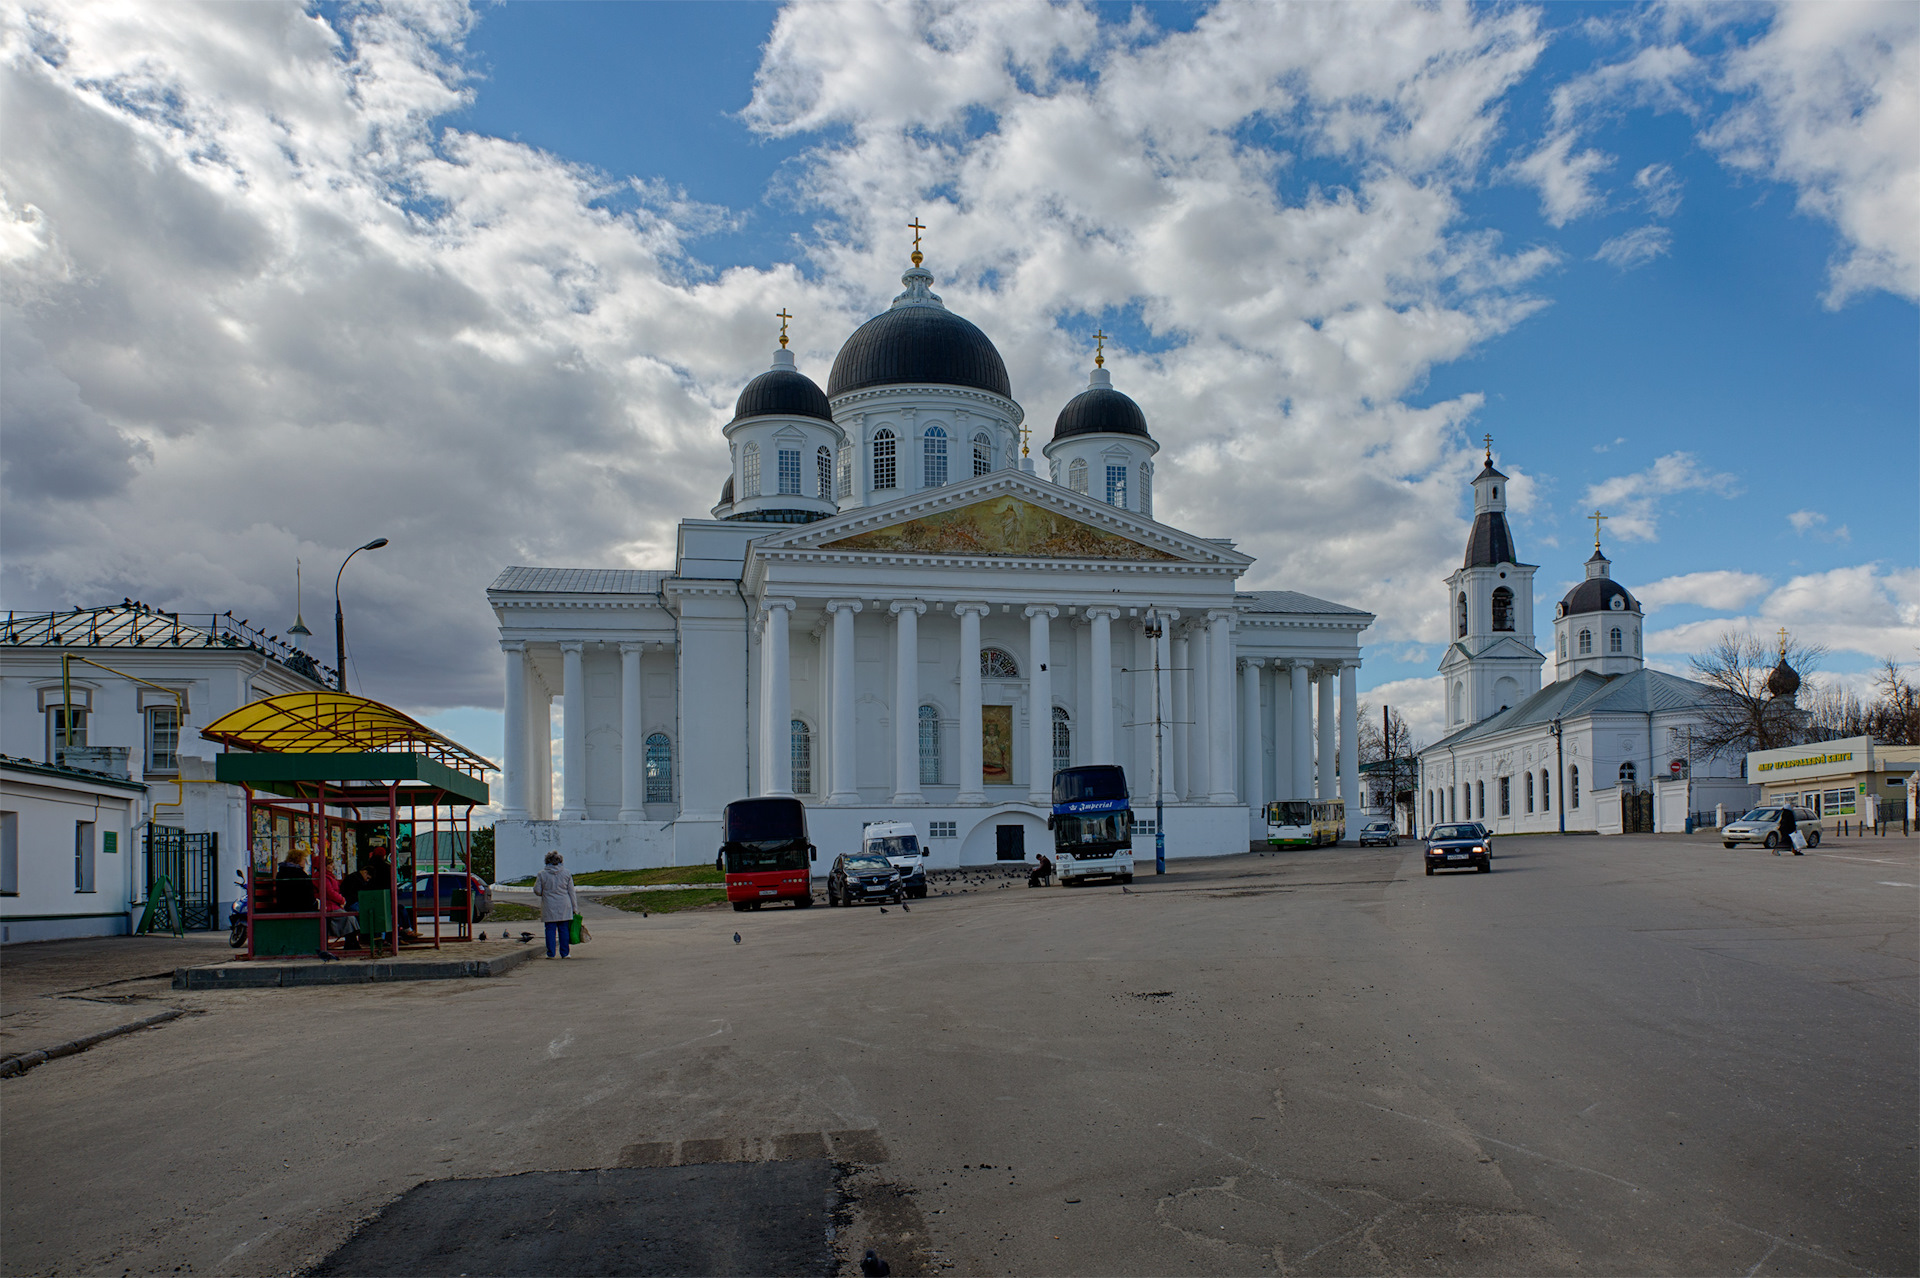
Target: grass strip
{"x": 647, "y": 878}
{"x": 511, "y": 912}
{"x": 667, "y": 902}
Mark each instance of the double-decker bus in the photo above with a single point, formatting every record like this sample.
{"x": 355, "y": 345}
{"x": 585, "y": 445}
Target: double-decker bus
{"x": 765, "y": 854}
{"x": 1092, "y": 824}
{"x": 1306, "y": 823}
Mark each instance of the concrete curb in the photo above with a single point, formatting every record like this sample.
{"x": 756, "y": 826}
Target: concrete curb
{"x": 256, "y": 976}
{"x": 19, "y": 1064}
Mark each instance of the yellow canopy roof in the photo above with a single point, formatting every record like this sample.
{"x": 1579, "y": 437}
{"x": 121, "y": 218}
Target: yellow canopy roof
{"x": 336, "y": 723}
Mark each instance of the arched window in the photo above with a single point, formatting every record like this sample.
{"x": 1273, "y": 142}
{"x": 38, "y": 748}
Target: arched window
{"x": 929, "y": 746}
{"x": 846, "y": 470}
{"x": 750, "y": 471}
{"x": 1616, "y": 641}
{"x": 1573, "y": 787}
{"x": 800, "y": 744}
{"x": 933, "y": 458}
{"x": 1628, "y": 773}
{"x": 1529, "y": 791}
{"x": 998, "y": 663}
{"x": 1117, "y": 486}
{"x": 1077, "y": 474}
{"x": 1546, "y": 791}
{"x": 1461, "y": 622}
{"x": 1636, "y": 643}
{"x": 1586, "y": 642}
{"x": 1481, "y": 786}
{"x": 982, "y": 454}
{"x": 823, "y": 473}
{"x": 1146, "y": 489}
{"x": 1062, "y": 740}
{"x": 1506, "y": 796}
{"x": 1563, "y": 645}
{"x": 884, "y": 470}
{"x": 659, "y": 768}
{"x": 1503, "y": 609}
{"x": 1459, "y": 702}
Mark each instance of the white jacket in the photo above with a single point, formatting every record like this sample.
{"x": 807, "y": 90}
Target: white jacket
{"x": 554, "y": 887}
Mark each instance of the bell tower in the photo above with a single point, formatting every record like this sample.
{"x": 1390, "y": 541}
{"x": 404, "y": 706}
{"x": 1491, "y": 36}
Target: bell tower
{"x": 1491, "y": 663}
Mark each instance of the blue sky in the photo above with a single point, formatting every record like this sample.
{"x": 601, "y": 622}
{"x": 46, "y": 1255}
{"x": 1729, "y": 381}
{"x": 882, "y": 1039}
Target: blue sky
{"x": 525, "y": 255}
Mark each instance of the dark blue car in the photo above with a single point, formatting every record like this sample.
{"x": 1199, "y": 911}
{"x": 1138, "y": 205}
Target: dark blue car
{"x": 1463, "y": 845}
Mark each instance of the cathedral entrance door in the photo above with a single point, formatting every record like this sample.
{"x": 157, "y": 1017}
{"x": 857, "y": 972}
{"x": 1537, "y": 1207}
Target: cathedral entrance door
{"x": 1010, "y": 842}
{"x": 1636, "y": 812}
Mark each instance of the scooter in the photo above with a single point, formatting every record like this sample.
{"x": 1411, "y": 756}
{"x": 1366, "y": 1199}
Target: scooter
{"x": 237, "y": 920}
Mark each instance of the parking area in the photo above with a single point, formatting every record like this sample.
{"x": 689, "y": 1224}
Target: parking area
{"x": 1626, "y": 1054}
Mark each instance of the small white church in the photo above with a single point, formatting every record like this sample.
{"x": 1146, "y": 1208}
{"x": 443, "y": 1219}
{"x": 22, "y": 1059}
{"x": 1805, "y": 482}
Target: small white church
{"x": 891, "y": 615}
{"x": 1606, "y": 747}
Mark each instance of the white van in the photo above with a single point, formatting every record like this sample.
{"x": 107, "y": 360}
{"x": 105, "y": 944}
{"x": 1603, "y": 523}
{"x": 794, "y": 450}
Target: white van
{"x": 900, "y": 843}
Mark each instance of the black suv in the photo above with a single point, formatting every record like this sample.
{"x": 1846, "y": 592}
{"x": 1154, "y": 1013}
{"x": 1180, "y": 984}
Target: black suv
{"x": 862, "y": 876}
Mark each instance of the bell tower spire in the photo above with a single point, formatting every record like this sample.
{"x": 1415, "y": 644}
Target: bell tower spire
{"x": 1491, "y": 663}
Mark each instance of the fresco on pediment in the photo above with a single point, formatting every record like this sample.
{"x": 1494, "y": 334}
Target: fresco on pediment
{"x": 1003, "y": 526}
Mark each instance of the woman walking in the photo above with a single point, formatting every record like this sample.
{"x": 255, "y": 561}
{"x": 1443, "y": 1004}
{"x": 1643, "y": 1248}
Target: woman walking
{"x": 558, "y": 904}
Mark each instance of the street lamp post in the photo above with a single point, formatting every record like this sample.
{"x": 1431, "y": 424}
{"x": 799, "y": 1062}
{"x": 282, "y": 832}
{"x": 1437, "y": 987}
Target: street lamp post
{"x": 340, "y": 619}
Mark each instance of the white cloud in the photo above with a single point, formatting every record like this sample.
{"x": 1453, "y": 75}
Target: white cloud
{"x": 1812, "y": 521}
{"x": 1419, "y": 701}
{"x": 1660, "y": 189}
{"x": 1631, "y": 502}
{"x": 1866, "y": 609}
{"x": 1607, "y": 448}
{"x": 1635, "y": 248}
{"x": 1721, "y": 589}
{"x": 1832, "y": 107}
{"x": 1564, "y": 177}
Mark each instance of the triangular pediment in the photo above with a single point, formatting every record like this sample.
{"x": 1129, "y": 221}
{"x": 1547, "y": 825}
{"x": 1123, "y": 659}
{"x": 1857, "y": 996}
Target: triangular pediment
{"x": 1008, "y": 515}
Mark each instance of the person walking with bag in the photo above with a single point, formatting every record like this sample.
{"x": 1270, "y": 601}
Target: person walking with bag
{"x": 1790, "y": 837}
{"x": 558, "y": 904}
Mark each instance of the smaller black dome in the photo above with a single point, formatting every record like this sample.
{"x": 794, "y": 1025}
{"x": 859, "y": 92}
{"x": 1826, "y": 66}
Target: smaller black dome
{"x": 726, "y": 492}
{"x": 782, "y": 392}
{"x": 1100, "y": 410}
{"x": 1785, "y": 680}
{"x": 1596, "y": 594}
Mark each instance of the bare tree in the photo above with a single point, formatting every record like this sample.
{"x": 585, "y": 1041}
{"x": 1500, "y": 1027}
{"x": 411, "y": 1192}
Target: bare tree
{"x": 1895, "y": 716}
{"x": 1834, "y": 712}
{"x": 1745, "y": 714}
{"x": 1391, "y": 744}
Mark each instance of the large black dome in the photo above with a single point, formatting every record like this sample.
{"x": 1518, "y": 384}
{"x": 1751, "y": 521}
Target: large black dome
{"x": 919, "y": 345}
{"x": 1596, "y": 594}
{"x": 1100, "y": 410}
{"x": 782, "y": 392}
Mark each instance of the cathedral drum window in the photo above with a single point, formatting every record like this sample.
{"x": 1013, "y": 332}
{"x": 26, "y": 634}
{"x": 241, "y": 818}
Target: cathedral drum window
{"x": 997, "y": 663}
{"x": 750, "y": 471}
{"x": 846, "y": 471}
{"x": 1077, "y": 475}
{"x": 1586, "y": 642}
{"x": 1503, "y": 609}
{"x": 982, "y": 454}
{"x": 1616, "y": 641}
{"x": 823, "y": 473}
{"x": 790, "y": 472}
{"x": 933, "y": 458}
{"x": 1117, "y": 486}
{"x": 885, "y": 466}
{"x": 1146, "y": 489}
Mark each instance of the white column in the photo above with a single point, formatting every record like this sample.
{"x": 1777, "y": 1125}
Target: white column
{"x": 840, "y": 732}
{"x": 1040, "y": 705}
{"x": 1220, "y": 769}
{"x": 1323, "y": 784}
{"x": 573, "y": 726}
{"x": 1140, "y": 696}
{"x": 906, "y": 698}
{"x": 1252, "y": 758}
{"x": 1100, "y": 745}
{"x": 1200, "y": 710}
{"x": 1180, "y": 712}
{"x": 1302, "y": 699}
{"x": 633, "y": 744}
{"x": 1350, "y": 746}
{"x": 514, "y": 755}
{"x": 1282, "y": 777}
{"x": 972, "y": 787}
{"x": 776, "y": 698}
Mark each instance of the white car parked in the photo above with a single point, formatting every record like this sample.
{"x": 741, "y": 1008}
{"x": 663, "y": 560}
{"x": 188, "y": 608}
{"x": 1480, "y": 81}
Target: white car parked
{"x": 1762, "y": 826}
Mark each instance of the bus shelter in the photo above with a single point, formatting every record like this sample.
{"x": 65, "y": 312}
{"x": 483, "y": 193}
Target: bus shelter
{"x": 345, "y": 783}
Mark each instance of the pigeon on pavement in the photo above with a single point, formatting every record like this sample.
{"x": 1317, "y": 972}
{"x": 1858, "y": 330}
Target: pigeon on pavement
{"x": 872, "y": 1266}
{"x": 1126, "y": 889}
{"x": 905, "y": 908}
{"x": 883, "y": 909}
{"x": 736, "y": 938}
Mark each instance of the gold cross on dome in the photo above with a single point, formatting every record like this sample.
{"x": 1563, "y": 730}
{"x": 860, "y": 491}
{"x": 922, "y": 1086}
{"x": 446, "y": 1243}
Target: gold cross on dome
{"x": 1596, "y": 517}
{"x": 783, "y": 317}
{"x": 916, "y": 228}
{"x": 1783, "y": 643}
{"x": 1099, "y": 350}
{"x": 1489, "y": 441}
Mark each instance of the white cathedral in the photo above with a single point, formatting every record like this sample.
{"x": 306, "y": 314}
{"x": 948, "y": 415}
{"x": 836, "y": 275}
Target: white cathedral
{"x": 890, "y": 615}
{"x": 1605, "y": 748}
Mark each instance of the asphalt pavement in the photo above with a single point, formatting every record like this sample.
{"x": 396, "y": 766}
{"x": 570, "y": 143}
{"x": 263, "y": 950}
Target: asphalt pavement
{"x": 1618, "y": 1055}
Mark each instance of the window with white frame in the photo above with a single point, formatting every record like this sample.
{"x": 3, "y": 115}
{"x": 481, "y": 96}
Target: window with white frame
{"x": 933, "y": 458}
{"x": 943, "y": 829}
{"x": 929, "y": 745}
{"x": 1146, "y": 489}
{"x": 58, "y": 735}
{"x": 790, "y": 472}
{"x": 801, "y": 743}
{"x": 1573, "y": 787}
{"x": 1077, "y": 475}
{"x": 1546, "y": 800}
{"x": 982, "y": 454}
{"x": 1563, "y": 646}
{"x": 163, "y": 739}
{"x": 823, "y": 472}
{"x": 83, "y": 856}
{"x": 1628, "y": 773}
{"x": 1506, "y": 796}
{"x": 885, "y": 465}
{"x": 846, "y": 470}
{"x": 1062, "y": 740}
{"x": 750, "y": 471}
{"x": 1616, "y": 642}
{"x": 659, "y": 768}
{"x": 1529, "y": 792}
{"x": 1481, "y": 787}
{"x": 1117, "y": 486}
{"x": 1586, "y": 642}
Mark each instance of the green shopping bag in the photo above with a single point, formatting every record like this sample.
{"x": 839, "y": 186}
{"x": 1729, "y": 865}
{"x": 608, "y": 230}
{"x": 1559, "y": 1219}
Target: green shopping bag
{"x": 577, "y": 931}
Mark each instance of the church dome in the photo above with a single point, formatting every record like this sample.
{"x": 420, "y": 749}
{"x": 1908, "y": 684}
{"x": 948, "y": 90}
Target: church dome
{"x": 918, "y": 342}
{"x": 1100, "y": 410}
{"x": 782, "y": 392}
{"x": 1597, "y": 594}
{"x": 726, "y": 492}
{"x": 1785, "y": 680}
